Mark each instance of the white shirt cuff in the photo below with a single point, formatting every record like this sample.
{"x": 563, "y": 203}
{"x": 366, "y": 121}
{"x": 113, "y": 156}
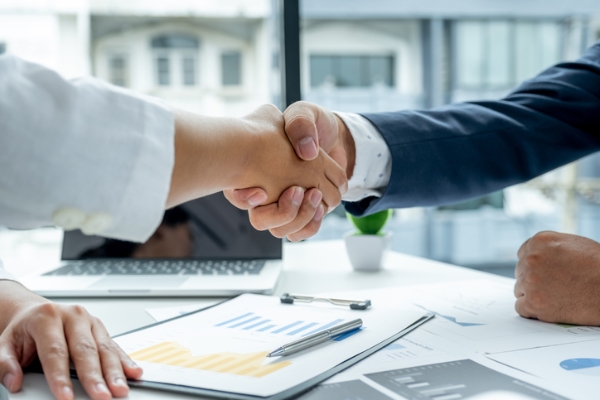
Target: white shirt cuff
{"x": 373, "y": 164}
{"x": 5, "y": 275}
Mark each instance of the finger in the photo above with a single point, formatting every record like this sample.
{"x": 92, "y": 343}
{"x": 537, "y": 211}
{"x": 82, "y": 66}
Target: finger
{"x": 110, "y": 359}
{"x": 245, "y": 199}
{"x": 311, "y": 228}
{"x": 301, "y": 129}
{"x": 331, "y": 195}
{"x": 84, "y": 354}
{"x": 11, "y": 374}
{"x": 523, "y": 309}
{"x": 519, "y": 290}
{"x": 335, "y": 174}
{"x": 308, "y": 208}
{"x": 280, "y": 213}
{"x": 49, "y": 337}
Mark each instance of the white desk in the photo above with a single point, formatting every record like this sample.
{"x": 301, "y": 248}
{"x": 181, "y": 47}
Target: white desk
{"x": 312, "y": 267}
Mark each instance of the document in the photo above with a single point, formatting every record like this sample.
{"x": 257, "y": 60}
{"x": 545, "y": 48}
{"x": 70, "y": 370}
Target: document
{"x": 480, "y": 315}
{"x": 224, "y": 348}
{"x": 164, "y": 313}
{"x": 577, "y": 364}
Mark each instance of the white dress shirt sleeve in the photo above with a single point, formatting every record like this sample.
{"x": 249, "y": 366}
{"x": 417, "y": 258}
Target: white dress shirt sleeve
{"x": 5, "y": 275}
{"x": 81, "y": 154}
{"x": 373, "y": 164}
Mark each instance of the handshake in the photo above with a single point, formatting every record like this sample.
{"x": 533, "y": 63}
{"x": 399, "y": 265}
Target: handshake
{"x": 288, "y": 169}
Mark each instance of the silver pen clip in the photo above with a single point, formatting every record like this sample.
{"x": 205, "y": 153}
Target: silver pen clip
{"x": 288, "y": 298}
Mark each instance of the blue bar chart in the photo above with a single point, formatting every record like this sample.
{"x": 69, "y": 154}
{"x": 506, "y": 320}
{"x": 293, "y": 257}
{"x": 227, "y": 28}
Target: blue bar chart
{"x": 254, "y": 322}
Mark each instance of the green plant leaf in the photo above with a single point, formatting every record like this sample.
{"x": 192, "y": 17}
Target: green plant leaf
{"x": 371, "y": 224}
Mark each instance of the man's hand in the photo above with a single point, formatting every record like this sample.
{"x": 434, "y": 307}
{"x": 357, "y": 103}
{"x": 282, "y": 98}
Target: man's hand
{"x": 308, "y": 127}
{"x": 58, "y": 334}
{"x": 558, "y": 279}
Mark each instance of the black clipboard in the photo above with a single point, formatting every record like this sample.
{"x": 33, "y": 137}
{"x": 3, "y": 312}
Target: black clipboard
{"x": 286, "y": 394}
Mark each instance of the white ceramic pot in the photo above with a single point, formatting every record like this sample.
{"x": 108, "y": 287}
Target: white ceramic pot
{"x": 367, "y": 252}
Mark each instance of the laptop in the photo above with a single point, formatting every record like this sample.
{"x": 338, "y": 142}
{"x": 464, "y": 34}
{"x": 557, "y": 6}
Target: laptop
{"x": 206, "y": 247}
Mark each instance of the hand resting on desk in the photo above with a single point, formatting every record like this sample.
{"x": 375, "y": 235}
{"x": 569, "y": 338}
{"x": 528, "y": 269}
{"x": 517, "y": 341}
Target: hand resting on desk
{"x": 558, "y": 279}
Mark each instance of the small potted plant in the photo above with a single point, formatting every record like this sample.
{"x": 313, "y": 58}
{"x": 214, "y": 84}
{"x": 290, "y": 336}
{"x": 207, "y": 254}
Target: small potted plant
{"x": 368, "y": 245}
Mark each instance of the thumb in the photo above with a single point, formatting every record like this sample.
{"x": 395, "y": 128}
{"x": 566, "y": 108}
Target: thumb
{"x": 301, "y": 120}
{"x": 11, "y": 375}
{"x": 246, "y": 199}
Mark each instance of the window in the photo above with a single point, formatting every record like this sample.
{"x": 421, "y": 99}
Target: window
{"x": 231, "y": 68}
{"x": 351, "y": 71}
{"x": 118, "y": 70}
{"x": 175, "y": 59}
{"x": 189, "y": 71}
{"x": 163, "y": 71}
{"x": 2, "y": 48}
{"x": 500, "y": 54}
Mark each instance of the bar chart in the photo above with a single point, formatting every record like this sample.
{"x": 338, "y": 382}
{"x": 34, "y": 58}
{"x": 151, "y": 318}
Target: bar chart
{"x": 454, "y": 380}
{"x": 176, "y": 355}
{"x": 254, "y": 322}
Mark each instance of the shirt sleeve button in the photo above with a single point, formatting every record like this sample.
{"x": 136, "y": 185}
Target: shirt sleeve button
{"x": 96, "y": 223}
{"x": 68, "y": 218}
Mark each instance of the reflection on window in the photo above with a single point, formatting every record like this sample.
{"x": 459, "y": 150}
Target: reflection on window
{"x": 231, "y": 64}
{"x": 175, "y": 57}
{"x": 2, "y": 48}
{"x": 118, "y": 70}
{"x": 163, "y": 71}
{"x": 189, "y": 71}
{"x": 351, "y": 71}
{"x": 500, "y": 54}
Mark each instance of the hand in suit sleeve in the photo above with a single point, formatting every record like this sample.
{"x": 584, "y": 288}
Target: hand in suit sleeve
{"x": 459, "y": 151}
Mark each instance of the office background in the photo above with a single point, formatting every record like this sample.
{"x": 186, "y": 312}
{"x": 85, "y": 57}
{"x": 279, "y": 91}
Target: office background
{"x": 225, "y": 58}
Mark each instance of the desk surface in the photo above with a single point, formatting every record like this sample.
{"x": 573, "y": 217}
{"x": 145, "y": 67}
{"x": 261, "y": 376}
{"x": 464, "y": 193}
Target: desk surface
{"x": 311, "y": 267}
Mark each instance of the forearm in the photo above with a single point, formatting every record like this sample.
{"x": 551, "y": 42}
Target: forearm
{"x": 210, "y": 154}
{"x": 14, "y": 298}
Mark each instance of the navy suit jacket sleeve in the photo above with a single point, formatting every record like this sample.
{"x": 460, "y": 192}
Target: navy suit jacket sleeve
{"x": 466, "y": 150}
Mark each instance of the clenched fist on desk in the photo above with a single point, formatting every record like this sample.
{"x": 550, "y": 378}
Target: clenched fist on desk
{"x": 558, "y": 279}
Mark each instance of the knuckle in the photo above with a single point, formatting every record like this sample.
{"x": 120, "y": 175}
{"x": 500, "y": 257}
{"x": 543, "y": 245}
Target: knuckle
{"x": 107, "y": 347}
{"x": 48, "y": 309}
{"x": 86, "y": 346}
{"x": 544, "y": 237}
{"x": 78, "y": 310}
{"x": 56, "y": 350}
{"x": 278, "y": 233}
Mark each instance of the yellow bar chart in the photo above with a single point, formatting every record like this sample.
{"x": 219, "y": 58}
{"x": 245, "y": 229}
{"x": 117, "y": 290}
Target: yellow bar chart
{"x": 176, "y": 355}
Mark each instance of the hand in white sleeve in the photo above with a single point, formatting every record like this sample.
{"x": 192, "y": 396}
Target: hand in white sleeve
{"x": 373, "y": 162}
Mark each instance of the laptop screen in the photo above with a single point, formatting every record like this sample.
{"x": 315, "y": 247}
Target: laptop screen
{"x": 209, "y": 228}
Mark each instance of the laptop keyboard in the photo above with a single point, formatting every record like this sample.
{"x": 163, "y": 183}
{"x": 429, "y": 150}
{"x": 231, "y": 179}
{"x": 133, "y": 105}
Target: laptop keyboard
{"x": 128, "y": 267}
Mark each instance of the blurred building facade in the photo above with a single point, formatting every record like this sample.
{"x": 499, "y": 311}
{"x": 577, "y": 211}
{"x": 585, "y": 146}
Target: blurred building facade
{"x": 222, "y": 58}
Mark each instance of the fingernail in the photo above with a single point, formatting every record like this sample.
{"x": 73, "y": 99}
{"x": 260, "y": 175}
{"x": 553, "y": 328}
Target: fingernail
{"x": 8, "y": 381}
{"x": 120, "y": 382}
{"x": 298, "y": 196}
{"x": 315, "y": 198}
{"x": 319, "y": 214}
{"x": 68, "y": 392}
{"x": 307, "y": 148}
{"x": 101, "y": 387}
{"x": 257, "y": 198}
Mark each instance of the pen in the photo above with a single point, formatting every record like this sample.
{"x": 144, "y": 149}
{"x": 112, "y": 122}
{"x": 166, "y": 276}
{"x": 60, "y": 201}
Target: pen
{"x": 315, "y": 338}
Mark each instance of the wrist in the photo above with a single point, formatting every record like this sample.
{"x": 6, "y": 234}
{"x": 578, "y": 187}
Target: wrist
{"x": 348, "y": 144}
{"x": 14, "y": 299}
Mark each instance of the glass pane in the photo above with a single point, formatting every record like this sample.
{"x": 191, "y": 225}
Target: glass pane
{"x": 549, "y": 39}
{"x": 380, "y": 70}
{"x": 528, "y": 50}
{"x": 118, "y": 71}
{"x": 2, "y": 48}
{"x": 231, "y": 63}
{"x": 163, "y": 71}
{"x": 321, "y": 71}
{"x": 498, "y": 55}
{"x": 470, "y": 55}
{"x": 348, "y": 71}
{"x": 175, "y": 41}
{"x": 189, "y": 71}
